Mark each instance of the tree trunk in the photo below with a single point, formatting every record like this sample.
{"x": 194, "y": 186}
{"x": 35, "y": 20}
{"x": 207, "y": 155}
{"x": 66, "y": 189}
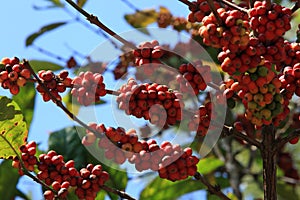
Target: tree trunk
{"x": 269, "y": 163}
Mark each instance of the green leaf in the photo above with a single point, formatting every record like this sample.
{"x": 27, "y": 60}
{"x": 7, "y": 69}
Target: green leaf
{"x": 67, "y": 143}
{"x": 81, "y": 3}
{"x": 38, "y": 65}
{"x": 101, "y": 195}
{"x": 26, "y": 99}
{"x": 30, "y": 39}
{"x": 142, "y": 19}
{"x": 13, "y": 130}
{"x": 286, "y": 191}
{"x": 164, "y": 189}
{"x": 209, "y": 164}
{"x": 9, "y": 178}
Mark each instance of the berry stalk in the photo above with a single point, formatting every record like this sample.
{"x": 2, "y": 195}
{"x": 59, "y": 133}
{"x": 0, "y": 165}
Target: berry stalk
{"x": 212, "y": 189}
{"x": 57, "y": 102}
{"x": 232, "y": 5}
{"x": 280, "y": 142}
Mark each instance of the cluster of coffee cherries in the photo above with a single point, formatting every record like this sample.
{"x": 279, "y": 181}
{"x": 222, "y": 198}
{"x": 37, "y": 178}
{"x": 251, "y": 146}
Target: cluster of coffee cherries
{"x": 153, "y": 102}
{"x": 233, "y": 32}
{"x": 60, "y": 176}
{"x": 259, "y": 89}
{"x": 269, "y": 23}
{"x": 54, "y": 83}
{"x": 290, "y": 80}
{"x": 88, "y": 87}
{"x": 171, "y": 161}
{"x": 201, "y": 120}
{"x": 200, "y": 9}
{"x": 28, "y": 157}
{"x": 148, "y": 53}
{"x": 13, "y": 74}
{"x": 191, "y": 78}
{"x": 239, "y": 60}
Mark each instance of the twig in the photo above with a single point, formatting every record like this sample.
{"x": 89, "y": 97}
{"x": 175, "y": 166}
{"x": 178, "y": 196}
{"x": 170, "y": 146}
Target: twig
{"x": 94, "y": 20}
{"x": 215, "y": 12}
{"x": 130, "y": 5}
{"x": 280, "y": 142}
{"x": 58, "y": 102}
{"x": 233, "y": 5}
{"x": 188, "y": 3}
{"x": 87, "y": 25}
{"x": 48, "y": 53}
{"x": 227, "y": 131}
{"x": 121, "y": 194}
{"x": 296, "y": 6}
{"x": 212, "y": 189}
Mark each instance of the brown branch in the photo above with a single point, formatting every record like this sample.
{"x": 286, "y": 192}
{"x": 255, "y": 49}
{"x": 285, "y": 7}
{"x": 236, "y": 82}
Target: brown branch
{"x": 269, "y": 162}
{"x": 188, "y": 3}
{"x": 58, "y": 102}
{"x": 215, "y": 12}
{"x": 296, "y": 6}
{"x": 227, "y": 131}
{"x": 94, "y": 20}
{"x": 280, "y": 142}
{"x": 233, "y": 5}
{"x": 212, "y": 189}
{"x": 121, "y": 194}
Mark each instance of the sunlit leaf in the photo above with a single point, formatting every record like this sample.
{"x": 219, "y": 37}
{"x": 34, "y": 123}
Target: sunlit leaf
{"x": 13, "y": 130}
{"x": 56, "y": 3}
{"x": 164, "y": 189}
{"x": 142, "y": 19}
{"x": 30, "y": 39}
{"x": 38, "y": 65}
{"x": 209, "y": 164}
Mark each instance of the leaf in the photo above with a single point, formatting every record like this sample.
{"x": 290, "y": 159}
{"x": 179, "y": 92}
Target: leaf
{"x": 101, "y": 195}
{"x": 30, "y": 39}
{"x": 38, "y": 65}
{"x": 67, "y": 143}
{"x": 142, "y": 19}
{"x": 81, "y": 3}
{"x": 9, "y": 178}
{"x": 209, "y": 164}
{"x": 286, "y": 191}
{"x": 13, "y": 130}
{"x": 26, "y": 99}
{"x": 164, "y": 189}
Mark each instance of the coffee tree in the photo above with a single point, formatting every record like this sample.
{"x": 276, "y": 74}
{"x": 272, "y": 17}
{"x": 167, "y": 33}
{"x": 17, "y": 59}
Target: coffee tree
{"x": 253, "y": 76}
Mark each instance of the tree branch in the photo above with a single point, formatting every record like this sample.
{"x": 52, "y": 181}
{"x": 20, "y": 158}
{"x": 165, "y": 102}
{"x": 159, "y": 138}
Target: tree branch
{"x": 94, "y": 20}
{"x": 212, "y": 189}
{"x": 296, "y": 6}
{"x": 121, "y": 194}
{"x": 233, "y": 5}
{"x": 188, "y": 3}
{"x": 227, "y": 131}
{"x": 280, "y": 142}
{"x": 215, "y": 12}
{"x": 58, "y": 102}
